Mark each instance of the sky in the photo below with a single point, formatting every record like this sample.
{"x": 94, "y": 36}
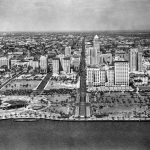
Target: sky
{"x": 74, "y": 15}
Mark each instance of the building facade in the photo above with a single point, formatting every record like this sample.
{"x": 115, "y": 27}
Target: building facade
{"x": 4, "y": 61}
{"x": 68, "y": 51}
{"x": 122, "y": 73}
{"x": 140, "y": 54}
{"x": 14, "y": 62}
{"x": 96, "y": 76}
{"x": 43, "y": 64}
{"x": 33, "y": 64}
{"x": 110, "y": 77}
{"x": 136, "y": 59}
{"x": 96, "y": 47}
{"x": 133, "y": 59}
{"x": 90, "y": 56}
{"x": 66, "y": 64}
{"x": 55, "y": 64}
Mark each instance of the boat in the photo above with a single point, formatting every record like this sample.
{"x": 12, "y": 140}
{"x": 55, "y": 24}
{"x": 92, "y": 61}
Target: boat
{"x": 25, "y": 119}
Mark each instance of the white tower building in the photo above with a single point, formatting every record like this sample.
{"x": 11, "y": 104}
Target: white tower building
{"x": 122, "y": 73}
{"x": 55, "y": 63}
{"x": 66, "y": 64}
{"x": 43, "y": 64}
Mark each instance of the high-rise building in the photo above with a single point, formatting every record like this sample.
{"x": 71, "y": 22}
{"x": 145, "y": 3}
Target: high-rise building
{"x": 90, "y": 56}
{"x": 122, "y": 73}
{"x": 61, "y": 57}
{"x": 66, "y": 64}
{"x": 75, "y": 64}
{"x": 140, "y": 53}
{"x": 43, "y": 64}
{"x": 110, "y": 77}
{"x": 133, "y": 59}
{"x": 140, "y": 68}
{"x": 96, "y": 46}
{"x": 136, "y": 59}
{"x": 96, "y": 43}
{"x": 55, "y": 63}
{"x": 68, "y": 51}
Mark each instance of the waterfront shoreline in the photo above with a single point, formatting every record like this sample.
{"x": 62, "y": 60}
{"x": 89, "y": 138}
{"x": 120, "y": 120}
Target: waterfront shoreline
{"x": 78, "y": 119}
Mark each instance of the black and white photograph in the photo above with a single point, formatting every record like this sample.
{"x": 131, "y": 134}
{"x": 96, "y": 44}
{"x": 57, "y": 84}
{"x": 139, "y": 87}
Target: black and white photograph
{"x": 74, "y": 74}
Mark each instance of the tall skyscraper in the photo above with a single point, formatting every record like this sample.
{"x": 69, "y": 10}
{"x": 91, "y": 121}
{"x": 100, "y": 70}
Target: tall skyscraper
{"x": 110, "y": 76}
{"x": 96, "y": 46}
{"x": 66, "y": 64}
{"x": 96, "y": 43}
{"x": 61, "y": 57}
{"x": 55, "y": 63}
{"x": 43, "y": 64}
{"x": 122, "y": 73}
{"x": 136, "y": 59}
{"x": 140, "y": 53}
{"x": 133, "y": 59}
{"x": 90, "y": 56}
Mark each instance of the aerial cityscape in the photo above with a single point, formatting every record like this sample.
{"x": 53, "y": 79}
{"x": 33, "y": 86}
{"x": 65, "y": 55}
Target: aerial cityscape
{"x": 75, "y": 75}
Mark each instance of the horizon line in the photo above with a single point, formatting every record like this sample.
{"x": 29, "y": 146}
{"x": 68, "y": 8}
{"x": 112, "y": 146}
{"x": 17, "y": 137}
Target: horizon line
{"x": 78, "y": 31}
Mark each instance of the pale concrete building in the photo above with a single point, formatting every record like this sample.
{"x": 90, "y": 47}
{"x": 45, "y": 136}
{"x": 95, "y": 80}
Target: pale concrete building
{"x": 43, "y": 64}
{"x": 122, "y": 73}
{"x": 96, "y": 76}
{"x": 68, "y": 51}
{"x": 133, "y": 59}
{"x": 110, "y": 77}
{"x": 55, "y": 64}
{"x": 33, "y": 64}
{"x": 66, "y": 64}
{"x": 4, "y": 61}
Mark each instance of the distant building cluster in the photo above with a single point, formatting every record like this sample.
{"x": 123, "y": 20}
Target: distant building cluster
{"x": 111, "y": 60}
{"x": 108, "y": 70}
{"x": 40, "y": 64}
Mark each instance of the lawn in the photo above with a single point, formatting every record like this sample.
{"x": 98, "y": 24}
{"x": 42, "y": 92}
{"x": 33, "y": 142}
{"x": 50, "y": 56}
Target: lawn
{"x": 21, "y": 84}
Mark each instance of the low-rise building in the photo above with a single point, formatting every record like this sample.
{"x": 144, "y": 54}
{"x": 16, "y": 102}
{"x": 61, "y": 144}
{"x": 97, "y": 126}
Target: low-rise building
{"x": 33, "y": 64}
{"x": 4, "y": 61}
{"x": 140, "y": 79}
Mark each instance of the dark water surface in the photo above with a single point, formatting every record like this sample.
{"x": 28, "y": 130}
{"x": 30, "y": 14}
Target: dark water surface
{"x": 49, "y": 135}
